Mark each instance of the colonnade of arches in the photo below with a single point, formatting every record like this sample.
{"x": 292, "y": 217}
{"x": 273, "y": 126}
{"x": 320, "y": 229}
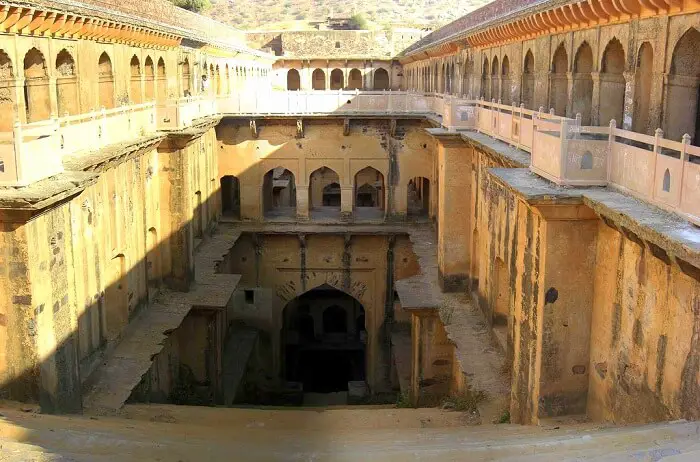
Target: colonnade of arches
{"x": 369, "y": 194}
{"x": 44, "y": 89}
{"x": 338, "y": 80}
{"x": 577, "y": 83}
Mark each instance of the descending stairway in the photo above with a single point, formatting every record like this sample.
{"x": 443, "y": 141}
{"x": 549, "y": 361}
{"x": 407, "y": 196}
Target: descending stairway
{"x": 108, "y": 388}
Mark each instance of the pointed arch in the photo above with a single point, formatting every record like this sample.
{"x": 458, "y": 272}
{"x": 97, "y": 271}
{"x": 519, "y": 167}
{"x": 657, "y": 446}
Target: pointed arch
{"x": 135, "y": 92}
{"x": 36, "y": 86}
{"x": 355, "y": 80}
{"x": 161, "y": 81}
{"x": 337, "y": 79}
{"x": 186, "y": 78}
{"x": 582, "y": 98}
{"x": 7, "y": 84}
{"x": 150, "y": 79}
{"x": 66, "y": 84}
{"x": 279, "y": 193}
{"x": 324, "y": 188}
{"x": 318, "y": 80}
{"x": 495, "y": 77}
{"x": 381, "y": 79}
{"x": 505, "y": 81}
{"x": 612, "y": 84}
{"x": 527, "y": 97}
{"x": 293, "y": 80}
{"x": 369, "y": 188}
{"x": 682, "y": 92}
{"x": 559, "y": 86}
{"x": 642, "y": 89}
{"x": 106, "y": 82}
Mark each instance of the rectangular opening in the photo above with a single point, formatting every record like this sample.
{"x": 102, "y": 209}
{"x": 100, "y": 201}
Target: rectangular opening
{"x": 249, "y": 296}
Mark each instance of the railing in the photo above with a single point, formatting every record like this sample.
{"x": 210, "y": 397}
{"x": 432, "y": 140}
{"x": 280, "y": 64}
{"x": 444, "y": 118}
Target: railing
{"x": 34, "y": 151}
{"x": 182, "y": 112}
{"x": 664, "y": 172}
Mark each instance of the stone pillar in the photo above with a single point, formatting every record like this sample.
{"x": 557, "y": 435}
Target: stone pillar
{"x": 303, "y": 202}
{"x": 570, "y": 95}
{"x": 552, "y": 309}
{"x": 53, "y": 98}
{"x": 432, "y": 355}
{"x": 346, "y": 200}
{"x": 454, "y": 171}
{"x": 595, "y": 100}
{"x": 628, "y": 111}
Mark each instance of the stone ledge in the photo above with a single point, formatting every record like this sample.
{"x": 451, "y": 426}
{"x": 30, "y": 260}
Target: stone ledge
{"x": 665, "y": 230}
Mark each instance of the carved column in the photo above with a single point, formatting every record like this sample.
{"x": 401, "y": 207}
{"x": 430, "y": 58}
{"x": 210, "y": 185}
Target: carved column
{"x": 628, "y": 111}
{"x": 595, "y": 101}
{"x": 570, "y": 95}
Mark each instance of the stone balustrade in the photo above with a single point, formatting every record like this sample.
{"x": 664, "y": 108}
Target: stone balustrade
{"x": 34, "y": 151}
{"x": 657, "y": 170}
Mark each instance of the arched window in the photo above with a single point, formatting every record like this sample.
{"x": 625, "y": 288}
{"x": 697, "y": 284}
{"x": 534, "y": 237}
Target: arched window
{"x": 485, "y": 81}
{"x": 559, "y": 86}
{"x": 583, "y": 83}
{"x": 355, "y": 80}
{"x": 150, "y": 79}
{"x": 106, "y": 82}
{"x": 418, "y": 203}
{"x": 318, "y": 80}
{"x": 279, "y": 194}
{"x": 161, "y": 82}
{"x": 66, "y": 84}
{"x": 369, "y": 188}
{"x": 495, "y": 89}
{"x": 293, "y": 80}
{"x": 528, "y": 86}
{"x": 381, "y": 79}
{"x": 7, "y": 83}
{"x": 642, "y": 89}
{"x": 36, "y": 86}
{"x": 186, "y": 78}
{"x": 324, "y": 189}
{"x": 612, "y": 84}
{"x": 682, "y": 89}
{"x": 337, "y": 79}
{"x": 135, "y": 94}
{"x": 505, "y": 81}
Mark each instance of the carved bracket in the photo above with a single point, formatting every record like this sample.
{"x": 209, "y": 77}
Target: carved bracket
{"x": 254, "y": 129}
{"x": 392, "y": 127}
{"x": 346, "y": 127}
{"x": 300, "y": 128}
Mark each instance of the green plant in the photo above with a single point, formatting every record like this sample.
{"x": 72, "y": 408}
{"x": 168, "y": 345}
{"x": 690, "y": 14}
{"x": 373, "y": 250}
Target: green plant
{"x": 193, "y": 5}
{"x": 404, "y": 401}
{"x": 505, "y": 417}
{"x": 357, "y": 21}
{"x": 464, "y": 402}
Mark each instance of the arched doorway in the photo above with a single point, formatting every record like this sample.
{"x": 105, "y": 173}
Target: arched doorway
{"x": 418, "y": 197}
{"x": 682, "y": 90}
{"x": 150, "y": 79}
{"x": 558, "y": 84}
{"x": 7, "y": 89}
{"x": 612, "y": 84}
{"x": 186, "y": 79}
{"x": 528, "y": 86}
{"x": 381, "y": 79}
{"x": 355, "y": 80}
{"x": 642, "y": 88}
{"x": 106, "y": 82}
{"x": 495, "y": 70}
{"x": 485, "y": 92}
{"x": 135, "y": 86}
{"x": 323, "y": 343}
{"x": 583, "y": 84}
{"x": 161, "y": 82}
{"x": 318, "y": 80}
{"x": 293, "y": 80}
{"x": 279, "y": 194}
{"x": 505, "y": 81}
{"x": 369, "y": 193}
{"x": 66, "y": 85}
{"x": 324, "y": 193}
{"x": 36, "y": 86}
{"x": 337, "y": 79}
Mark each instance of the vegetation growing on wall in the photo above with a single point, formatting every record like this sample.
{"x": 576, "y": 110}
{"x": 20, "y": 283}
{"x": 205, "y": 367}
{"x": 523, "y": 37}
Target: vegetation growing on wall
{"x": 193, "y": 5}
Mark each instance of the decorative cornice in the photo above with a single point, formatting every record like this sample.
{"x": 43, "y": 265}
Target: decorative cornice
{"x": 39, "y": 22}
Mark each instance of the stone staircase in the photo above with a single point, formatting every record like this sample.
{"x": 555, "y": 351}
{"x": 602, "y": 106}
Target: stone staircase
{"x": 111, "y": 384}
